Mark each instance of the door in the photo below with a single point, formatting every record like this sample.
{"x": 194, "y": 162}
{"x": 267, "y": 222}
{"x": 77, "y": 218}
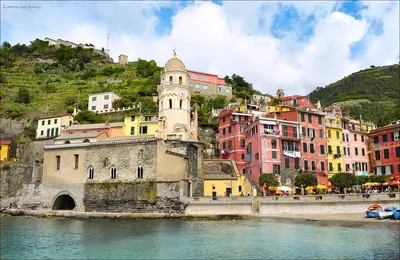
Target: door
{"x": 214, "y": 195}
{"x": 228, "y": 192}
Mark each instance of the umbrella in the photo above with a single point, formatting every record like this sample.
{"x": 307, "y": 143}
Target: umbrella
{"x": 284, "y": 188}
{"x": 321, "y": 187}
{"x": 371, "y": 184}
{"x": 310, "y": 188}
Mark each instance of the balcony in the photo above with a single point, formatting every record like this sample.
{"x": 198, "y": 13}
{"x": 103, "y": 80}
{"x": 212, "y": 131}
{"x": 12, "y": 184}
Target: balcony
{"x": 291, "y": 136}
{"x": 333, "y": 125}
{"x": 271, "y": 132}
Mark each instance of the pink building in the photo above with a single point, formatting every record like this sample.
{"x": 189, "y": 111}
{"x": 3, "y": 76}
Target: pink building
{"x": 297, "y": 101}
{"x": 272, "y": 146}
{"x": 112, "y": 129}
{"x": 231, "y": 136}
{"x": 355, "y": 147}
{"x": 313, "y": 142}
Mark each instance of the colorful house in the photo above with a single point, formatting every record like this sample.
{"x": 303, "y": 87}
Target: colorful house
{"x": 112, "y": 129}
{"x": 385, "y": 149}
{"x": 138, "y": 125}
{"x": 222, "y": 179}
{"x": 208, "y": 84}
{"x": 52, "y": 126}
{"x": 5, "y": 150}
{"x": 231, "y": 136}
{"x": 333, "y": 128}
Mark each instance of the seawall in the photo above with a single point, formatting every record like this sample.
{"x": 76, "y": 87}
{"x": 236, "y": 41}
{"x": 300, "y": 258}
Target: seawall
{"x": 278, "y": 205}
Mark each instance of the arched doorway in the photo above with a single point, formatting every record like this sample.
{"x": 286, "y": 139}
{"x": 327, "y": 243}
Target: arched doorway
{"x": 64, "y": 202}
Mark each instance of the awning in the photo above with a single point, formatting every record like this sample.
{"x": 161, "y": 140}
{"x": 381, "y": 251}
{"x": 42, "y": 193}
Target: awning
{"x": 369, "y": 184}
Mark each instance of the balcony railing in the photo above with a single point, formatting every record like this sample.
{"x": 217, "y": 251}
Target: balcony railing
{"x": 333, "y": 125}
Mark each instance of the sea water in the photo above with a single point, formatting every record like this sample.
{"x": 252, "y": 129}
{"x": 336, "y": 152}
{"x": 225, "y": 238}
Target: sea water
{"x": 61, "y": 238}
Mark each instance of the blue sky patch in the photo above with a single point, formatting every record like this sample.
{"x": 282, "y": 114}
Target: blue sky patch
{"x": 352, "y": 8}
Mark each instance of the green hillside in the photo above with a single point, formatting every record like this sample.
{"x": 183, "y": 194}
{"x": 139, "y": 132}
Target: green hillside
{"x": 373, "y": 93}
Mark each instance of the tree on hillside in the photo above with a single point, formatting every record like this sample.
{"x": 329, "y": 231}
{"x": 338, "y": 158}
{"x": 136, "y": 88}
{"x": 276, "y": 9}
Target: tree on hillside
{"x": 241, "y": 88}
{"x": 6, "y": 45}
{"x": 23, "y": 95}
{"x": 217, "y": 102}
{"x": 268, "y": 180}
{"x": 146, "y": 68}
{"x": 89, "y": 117}
{"x": 197, "y": 99}
{"x": 306, "y": 179}
{"x": 343, "y": 180}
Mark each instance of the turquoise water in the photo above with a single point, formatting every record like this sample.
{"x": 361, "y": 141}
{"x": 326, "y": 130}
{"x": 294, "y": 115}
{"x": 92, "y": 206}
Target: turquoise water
{"x": 59, "y": 238}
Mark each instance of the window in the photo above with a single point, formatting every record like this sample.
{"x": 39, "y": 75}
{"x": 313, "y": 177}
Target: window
{"x": 132, "y": 130}
{"x": 313, "y": 165}
{"x": 311, "y": 133}
{"x": 52, "y": 132}
{"x": 223, "y": 120}
{"x": 294, "y": 131}
{"x": 322, "y": 166}
{"x": 398, "y": 152}
{"x": 353, "y": 127}
{"x": 55, "y": 121}
{"x": 43, "y": 122}
{"x": 113, "y": 172}
{"x": 180, "y": 80}
{"x": 287, "y": 163}
{"x": 242, "y": 128}
{"x": 197, "y": 86}
{"x": 143, "y": 130}
{"x": 330, "y": 166}
{"x": 223, "y": 131}
{"x": 180, "y": 104}
{"x": 376, "y": 139}
{"x": 256, "y": 156}
{"x": 311, "y": 148}
{"x": 76, "y": 156}
{"x": 106, "y": 97}
{"x": 322, "y": 148}
{"x": 339, "y": 167}
{"x": 320, "y": 120}
{"x": 242, "y": 143}
{"x": 48, "y": 132}
{"x": 344, "y": 150}
{"x": 205, "y": 87}
{"x": 362, "y": 138}
{"x": 329, "y": 133}
{"x": 229, "y": 130}
{"x": 356, "y": 150}
{"x": 304, "y": 147}
{"x": 337, "y": 135}
{"x": 41, "y": 132}
{"x": 305, "y": 165}
{"x": 321, "y": 133}
{"x": 386, "y": 153}
{"x": 274, "y": 154}
{"x": 302, "y": 117}
{"x": 170, "y": 103}
{"x": 347, "y": 138}
{"x": 362, "y": 151}
{"x": 242, "y": 156}
{"x": 343, "y": 138}
{"x": 337, "y": 149}
{"x": 329, "y": 149}
{"x": 348, "y": 151}
{"x": 171, "y": 79}
{"x": 132, "y": 118}
{"x": 230, "y": 144}
{"x": 93, "y": 107}
{"x": 106, "y": 106}
{"x": 240, "y": 188}
{"x": 384, "y": 138}
{"x": 303, "y": 131}
{"x": 49, "y": 122}
{"x": 285, "y": 130}
{"x": 377, "y": 155}
{"x": 355, "y": 137}
{"x": 58, "y": 161}
{"x": 224, "y": 145}
{"x": 56, "y": 131}
{"x": 91, "y": 173}
{"x": 147, "y": 118}
{"x": 94, "y": 98}
{"x": 140, "y": 172}
{"x": 273, "y": 143}
{"x": 220, "y": 89}
{"x": 396, "y": 136}
{"x": 309, "y": 118}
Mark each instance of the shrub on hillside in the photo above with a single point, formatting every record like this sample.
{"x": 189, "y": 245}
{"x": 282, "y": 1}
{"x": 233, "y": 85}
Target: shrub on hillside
{"x": 89, "y": 117}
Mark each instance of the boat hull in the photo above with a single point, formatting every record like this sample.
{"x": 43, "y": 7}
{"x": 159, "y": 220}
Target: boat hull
{"x": 396, "y": 214}
{"x": 385, "y": 214}
{"x": 372, "y": 213}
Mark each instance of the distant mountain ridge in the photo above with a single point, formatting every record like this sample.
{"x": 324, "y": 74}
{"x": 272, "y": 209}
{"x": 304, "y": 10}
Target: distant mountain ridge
{"x": 373, "y": 93}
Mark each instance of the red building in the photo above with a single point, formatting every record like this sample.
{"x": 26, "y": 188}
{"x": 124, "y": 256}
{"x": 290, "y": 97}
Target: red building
{"x": 231, "y": 136}
{"x": 313, "y": 142}
{"x": 385, "y": 149}
{"x": 272, "y": 146}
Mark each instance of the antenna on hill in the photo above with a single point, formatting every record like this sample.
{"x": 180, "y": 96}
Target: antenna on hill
{"x": 77, "y": 104}
{"x": 108, "y": 44}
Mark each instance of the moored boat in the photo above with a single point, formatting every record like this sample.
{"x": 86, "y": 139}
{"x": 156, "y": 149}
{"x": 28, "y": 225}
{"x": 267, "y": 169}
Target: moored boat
{"x": 388, "y": 212}
{"x": 396, "y": 214}
{"x": 373, "y": 211}
{"x": 13, "y": 212}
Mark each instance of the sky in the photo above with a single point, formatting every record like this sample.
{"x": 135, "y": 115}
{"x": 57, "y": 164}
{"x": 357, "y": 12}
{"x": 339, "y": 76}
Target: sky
{"x": 295, "y": 45}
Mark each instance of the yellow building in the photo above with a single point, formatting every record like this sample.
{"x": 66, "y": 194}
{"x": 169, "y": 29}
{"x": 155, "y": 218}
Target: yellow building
{"x": 5, "y": 150}
{"x": 222, "y": 179}
{"x": 335, "y": 145}
{"x": 137, "y": 125}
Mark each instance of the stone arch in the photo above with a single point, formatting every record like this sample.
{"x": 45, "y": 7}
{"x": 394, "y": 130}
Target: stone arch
{"x": 67, "y": 142}
{"x": 86, "y": 141}
{"x": 63, "y": 201}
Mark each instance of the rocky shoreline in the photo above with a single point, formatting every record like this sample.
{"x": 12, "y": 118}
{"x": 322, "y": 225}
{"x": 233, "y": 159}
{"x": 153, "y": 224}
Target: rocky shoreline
{"x": 345, "y": 220}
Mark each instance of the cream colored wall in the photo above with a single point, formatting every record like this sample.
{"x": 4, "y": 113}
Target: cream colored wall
{"x": 61, "y": 121}
{"x": 117, "y": 131}
{"x": 67, "y": 174}
{"x": 170, "y": 167}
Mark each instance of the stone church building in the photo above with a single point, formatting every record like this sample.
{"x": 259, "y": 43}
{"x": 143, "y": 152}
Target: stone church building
{"x": 129, "y": 174}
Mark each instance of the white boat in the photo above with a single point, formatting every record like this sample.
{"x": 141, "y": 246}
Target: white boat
{"x": 385, "y": 214}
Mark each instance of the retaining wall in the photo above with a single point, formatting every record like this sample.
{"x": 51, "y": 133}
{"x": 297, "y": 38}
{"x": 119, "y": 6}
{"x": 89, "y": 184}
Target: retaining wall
{"x": 276, "y": 205}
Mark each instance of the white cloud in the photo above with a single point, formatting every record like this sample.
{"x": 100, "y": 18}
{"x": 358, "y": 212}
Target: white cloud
{"x": 228, "y": 39}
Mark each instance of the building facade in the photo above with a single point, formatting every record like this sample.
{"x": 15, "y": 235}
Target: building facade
{"x": 231, "y": 136}
{"x": 208, "y": 84}
{"x": 334, "y": 141}
{"x": 140, "y": 125}
{"x": 5, "y": 150}
{"x": 112, "y": 129}
{"x": 123, "y": 59}
{"x": 385, "y": 149}
{"x": 52, "y": 126}
{"x": 102, "y": 101}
